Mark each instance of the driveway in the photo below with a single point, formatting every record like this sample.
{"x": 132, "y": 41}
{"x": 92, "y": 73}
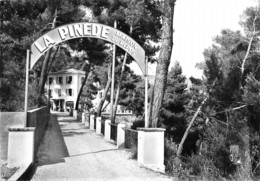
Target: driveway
{"x": 70, "y": 151}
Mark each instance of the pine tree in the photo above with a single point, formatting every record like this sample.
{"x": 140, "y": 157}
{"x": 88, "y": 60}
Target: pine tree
{"x": 167, "y": 9}
{"x": 173, "y": 113}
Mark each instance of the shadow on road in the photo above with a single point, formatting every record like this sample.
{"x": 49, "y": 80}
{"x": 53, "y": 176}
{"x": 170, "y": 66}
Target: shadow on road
{"x": 73, "y": 133}
{"x": 52, "y": 148}
{"x": 94, "y": 152}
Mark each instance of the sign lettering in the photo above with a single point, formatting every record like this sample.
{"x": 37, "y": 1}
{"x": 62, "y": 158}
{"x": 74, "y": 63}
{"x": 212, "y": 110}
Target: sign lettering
{"x": 91, "y": 30}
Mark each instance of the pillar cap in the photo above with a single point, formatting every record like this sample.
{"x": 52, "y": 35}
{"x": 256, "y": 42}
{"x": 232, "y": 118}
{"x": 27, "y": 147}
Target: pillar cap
{"x": 151, "y": 129}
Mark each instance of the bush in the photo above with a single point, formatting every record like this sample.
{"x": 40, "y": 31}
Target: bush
{"x": 202, "y": 166}
{"x": 174, "y": 166}
{"x": 170, "y": 149}
{"x": 138, "y": 124}
{"x": 255, "y": 155}
{"x": 193, "y": 167}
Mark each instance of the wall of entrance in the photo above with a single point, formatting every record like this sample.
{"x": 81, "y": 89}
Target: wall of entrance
{"x": 37, "y": 118}
{"x": 8, "y": 119}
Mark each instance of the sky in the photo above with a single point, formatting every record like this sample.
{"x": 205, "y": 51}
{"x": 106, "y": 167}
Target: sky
{"x": 195, "y": 23}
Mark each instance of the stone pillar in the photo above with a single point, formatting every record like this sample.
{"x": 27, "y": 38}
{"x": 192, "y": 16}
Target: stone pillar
{"x": 108, "y": 129}
{"x": 87, "y": 119}
{"x": 92, "y": 124}
{"x": 151, "y": 148}
{"x": 20, "y": 146}
{"x": 98, "y": 125}
{"x": 75, "y": 114}
{"x": 121, "y": 135}
{"x": 83, "y": 118}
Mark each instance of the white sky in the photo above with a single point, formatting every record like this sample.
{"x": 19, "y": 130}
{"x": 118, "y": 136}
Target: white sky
{"x": 196, "y": 22}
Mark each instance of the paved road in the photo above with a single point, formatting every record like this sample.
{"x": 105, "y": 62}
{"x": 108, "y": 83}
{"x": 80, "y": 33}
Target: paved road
{"x": 69, "y": 151}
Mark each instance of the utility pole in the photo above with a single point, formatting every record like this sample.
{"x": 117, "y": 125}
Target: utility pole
{"x": 113, "y": 79}
{"x": 146, "y": 94}
{"x": 28, "y": 56}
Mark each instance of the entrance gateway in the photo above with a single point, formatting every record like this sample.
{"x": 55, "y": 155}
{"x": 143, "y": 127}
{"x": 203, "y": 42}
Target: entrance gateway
{"x": 87, "y": 30}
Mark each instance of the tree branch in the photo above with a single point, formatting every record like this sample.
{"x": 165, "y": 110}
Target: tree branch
{"x": 249, "y": 46}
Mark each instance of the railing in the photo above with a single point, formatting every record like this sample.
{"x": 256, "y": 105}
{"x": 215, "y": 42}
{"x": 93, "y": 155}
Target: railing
{"x": 95, "y": 125}
{"x": 114, "y": 132}
{"x": 146, "y": 144}
{"x": 131, "y": 138}
{"x": 103, "y": 126}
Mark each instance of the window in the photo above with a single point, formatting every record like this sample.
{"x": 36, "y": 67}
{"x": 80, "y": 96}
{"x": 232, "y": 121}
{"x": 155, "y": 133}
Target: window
{"x": 69, "y": 79}
{"x": 69, "y": 92}
{"x": 59, "y": 92}
{"x": 59, "y": 80}
{"x": 50, "y": 80}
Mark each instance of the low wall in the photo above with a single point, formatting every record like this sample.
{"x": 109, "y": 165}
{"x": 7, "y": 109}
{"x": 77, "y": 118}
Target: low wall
{"x": 8, "y": 119}
{"x": 131, "y": 138}
{"x": 38, "y": 118}
{"x": 121, "y": 117}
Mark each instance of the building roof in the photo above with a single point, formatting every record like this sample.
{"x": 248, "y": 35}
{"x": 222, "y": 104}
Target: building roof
{"x": 68, "y": 71}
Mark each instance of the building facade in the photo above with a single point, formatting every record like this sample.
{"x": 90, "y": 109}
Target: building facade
{"x": 63, "y": 88}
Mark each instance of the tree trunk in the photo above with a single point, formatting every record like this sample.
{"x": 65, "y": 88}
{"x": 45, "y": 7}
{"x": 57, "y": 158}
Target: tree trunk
{"x": 102, "y": 101}
{"x": 163, "y": 61}
{"x": 45, "y": 65}
{"x": 119, "y": 82}
{"x": 246, "y": 159}
{"x": 118, "y": 89}
{"x": 246, "y": 167}
{"x": 249, "y": 46}
{"x": 180, "y": 147}
{"x": 53, "y": 58}
{"x": 43, "y": 78}
{"x": 87, "y": 73}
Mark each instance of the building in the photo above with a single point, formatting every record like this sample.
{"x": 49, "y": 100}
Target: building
{"x": 63, "y": 87}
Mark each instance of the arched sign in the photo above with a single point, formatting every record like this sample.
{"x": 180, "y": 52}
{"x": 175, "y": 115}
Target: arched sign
{"x": 89, "y": 30}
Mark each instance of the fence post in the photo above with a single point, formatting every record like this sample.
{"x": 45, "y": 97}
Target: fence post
{"x": 121, "y": 135}
{"x": 92, "y": 122}
{"x": 75, "y": 114}
{"x": 87, "y": 119}
{"x": 20, "y": 146}
{"x": 151, "y": 148}
{"x": 83, "y": 118}
{"x": 98, "y": 125}
{"x": 108, "y": 129}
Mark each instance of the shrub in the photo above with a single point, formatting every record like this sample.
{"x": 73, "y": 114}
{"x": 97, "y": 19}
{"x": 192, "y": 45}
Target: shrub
{"x": 137, "y": 124}
{"x": 170, "y": 149}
